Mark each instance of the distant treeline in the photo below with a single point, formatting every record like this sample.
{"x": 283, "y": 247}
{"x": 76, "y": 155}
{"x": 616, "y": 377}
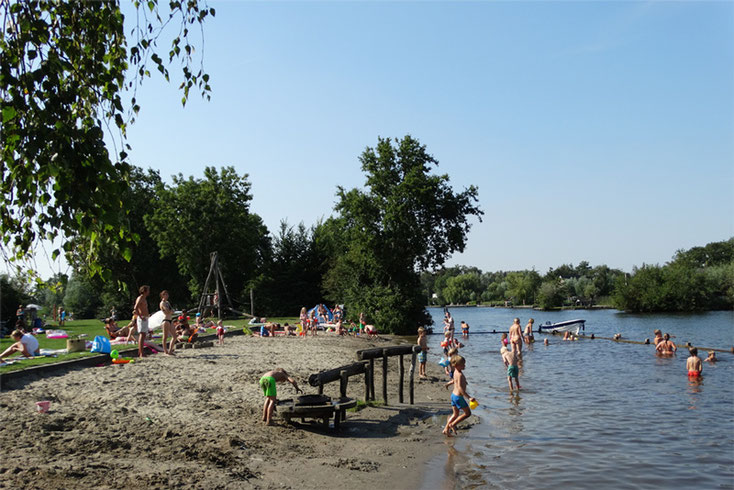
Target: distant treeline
{"x": 701, "y": 278}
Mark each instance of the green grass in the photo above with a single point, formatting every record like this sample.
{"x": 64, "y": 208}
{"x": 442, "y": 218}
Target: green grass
{"x": 361, "y": 405}
{"x": 91, "y": 328}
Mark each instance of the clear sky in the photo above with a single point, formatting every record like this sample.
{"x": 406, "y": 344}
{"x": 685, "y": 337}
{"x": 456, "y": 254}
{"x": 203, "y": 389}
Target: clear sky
{"x": 598, "y": 131}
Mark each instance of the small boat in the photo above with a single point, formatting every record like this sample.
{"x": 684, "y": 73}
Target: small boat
{"x": 568, "y": 326}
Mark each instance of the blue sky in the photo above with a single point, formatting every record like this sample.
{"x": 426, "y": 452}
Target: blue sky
{"x": 599, "y": 131}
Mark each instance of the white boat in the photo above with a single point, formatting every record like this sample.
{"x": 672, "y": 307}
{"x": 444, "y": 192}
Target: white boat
{"x": 568, "y": 326}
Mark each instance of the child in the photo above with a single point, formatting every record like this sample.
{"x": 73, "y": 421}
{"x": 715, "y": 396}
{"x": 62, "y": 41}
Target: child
{"x": 528, "y": 334}
{"x": 464, "y": 329}
{"x": 458, "y": 396}
{"x": 220, "y": 332}
{"x": 450, "y": 369}
{"x": 304, "y": 321}
{"x": 267, "y": 384}
{"x": 509, "y": 357}
{"x": 711, "y": 358}
{"x": 371, "y": 331}
{"x": 422, "y": 355}
{"x": 694, "y": 364}
{"x": 504, "y": 340}
{"x": 314, "y": 322}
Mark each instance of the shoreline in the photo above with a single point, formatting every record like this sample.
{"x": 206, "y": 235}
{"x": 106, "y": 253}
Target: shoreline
{"x": 193, "y": 420}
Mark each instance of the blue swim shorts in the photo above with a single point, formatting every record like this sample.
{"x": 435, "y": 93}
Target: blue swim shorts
{"x": 421, "y": 356}
{"x": 512, "y": 371}
{"x": 458, "y": 402}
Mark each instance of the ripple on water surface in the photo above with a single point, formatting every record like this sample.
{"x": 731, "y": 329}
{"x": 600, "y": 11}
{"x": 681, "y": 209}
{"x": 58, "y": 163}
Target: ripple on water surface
{"x": 599, "y": 413}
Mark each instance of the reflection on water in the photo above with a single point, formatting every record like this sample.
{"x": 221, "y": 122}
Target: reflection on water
{"x": 595, "y": 412}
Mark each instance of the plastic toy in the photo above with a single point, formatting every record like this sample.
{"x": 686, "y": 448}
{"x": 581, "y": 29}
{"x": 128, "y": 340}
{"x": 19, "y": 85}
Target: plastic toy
{"x": 473, "y": 404}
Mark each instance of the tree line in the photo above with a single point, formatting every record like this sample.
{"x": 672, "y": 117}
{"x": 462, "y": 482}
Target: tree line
{"x": 701, "y": 278}
{"x": 368, "y": 256}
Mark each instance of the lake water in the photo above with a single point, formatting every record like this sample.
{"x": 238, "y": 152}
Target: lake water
{"x": 593, "y": 412}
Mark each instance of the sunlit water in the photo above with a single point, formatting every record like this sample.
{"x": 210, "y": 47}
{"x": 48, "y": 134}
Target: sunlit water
{"x": 593, "y": 413}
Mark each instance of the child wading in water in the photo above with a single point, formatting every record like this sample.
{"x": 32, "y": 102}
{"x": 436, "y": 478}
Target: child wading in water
{"x": 509, "y": 357}
{"x": 267, "y": 383}
{"x": 694, "y": 364}
{"x": 458, "y": 401}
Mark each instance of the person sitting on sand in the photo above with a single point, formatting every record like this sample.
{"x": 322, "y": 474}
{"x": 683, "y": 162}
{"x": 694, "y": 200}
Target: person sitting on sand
{"x": 666, "y": 347}
{"x": 267, "y": 384}
{"x": 371, "y": 331}
{"x": 694, "y": 364}
{"x": 25, "y": 344}
{"x": 711, "y": 358}
{"x": 458, "y": 397}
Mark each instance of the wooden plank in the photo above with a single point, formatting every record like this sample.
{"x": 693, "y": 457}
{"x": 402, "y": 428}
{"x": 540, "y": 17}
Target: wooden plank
{"x": 401, "y": 375}
{"x": 393, "y": 350}
{"x": 335, "y": 374}
{"x": 384, "y": 377}
{"x": 412, "y": 375}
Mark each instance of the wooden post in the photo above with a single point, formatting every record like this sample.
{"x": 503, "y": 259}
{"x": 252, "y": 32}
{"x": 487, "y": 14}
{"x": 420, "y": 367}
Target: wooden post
{"x": 412, "y": 374}
{"x": 384, "y": 376}
{"x": 343, "y": 384}
{"x": 372, "y": 380}
{"x": 252, "y": 303}
{"x": 366, "y": 384}
{"x": 321, "y": 388}
{"x": 401, "y": 371}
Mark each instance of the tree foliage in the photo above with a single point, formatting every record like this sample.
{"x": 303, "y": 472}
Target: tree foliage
{"x": 405, "y": 220}
{"x": 195, "y": 217}
{"x": 63, "y": 69}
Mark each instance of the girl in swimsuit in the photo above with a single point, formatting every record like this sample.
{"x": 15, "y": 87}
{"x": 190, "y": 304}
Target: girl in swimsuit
{"x": 168, "y": 329}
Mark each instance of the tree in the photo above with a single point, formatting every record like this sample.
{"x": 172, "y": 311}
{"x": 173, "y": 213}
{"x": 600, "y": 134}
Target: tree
{"x": 551, "y": 294}
{"x": 13, "y": 292}
{"x": 522, "y": 285}
{"x": 463, "y": 288}
{"x": 292, "y": 275}
{"x": 122, "y": 277}
{"x": 82, "y": 297}
{"x": 63, "y": 68}
{"x": 406, "y": 220}
{"x": 195, "y": 217}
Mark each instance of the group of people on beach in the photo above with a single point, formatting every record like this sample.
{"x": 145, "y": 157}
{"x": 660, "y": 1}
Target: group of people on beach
{"x": 332, "y": 321}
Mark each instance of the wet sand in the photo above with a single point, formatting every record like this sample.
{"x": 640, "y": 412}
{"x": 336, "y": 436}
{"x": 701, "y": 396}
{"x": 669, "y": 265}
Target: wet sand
{"x": 194, "y": 421}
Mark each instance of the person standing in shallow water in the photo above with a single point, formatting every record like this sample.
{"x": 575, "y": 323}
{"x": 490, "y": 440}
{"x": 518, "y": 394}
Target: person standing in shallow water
{"x": 516, "y": 336}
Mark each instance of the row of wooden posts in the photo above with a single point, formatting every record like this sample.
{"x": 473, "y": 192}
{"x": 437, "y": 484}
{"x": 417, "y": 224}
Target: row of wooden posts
{"x": 366, "y": 365}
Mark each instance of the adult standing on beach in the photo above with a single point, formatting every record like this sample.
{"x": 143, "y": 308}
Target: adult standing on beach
{"x": 167, "y": 324}
{"x": 140, "y": 310}
{"x": 516, "y": 336}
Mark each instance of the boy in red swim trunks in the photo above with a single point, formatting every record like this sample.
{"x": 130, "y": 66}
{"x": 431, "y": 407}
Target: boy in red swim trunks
{"x": 267, "y": 383}
{"x": 694, "y": 364}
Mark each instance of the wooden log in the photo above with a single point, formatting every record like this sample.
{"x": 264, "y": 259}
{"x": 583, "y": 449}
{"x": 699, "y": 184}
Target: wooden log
{"x": 343, "y": 383}
{"x": 401, "y": 374}
{"x": 393, "y": 350}
{"x": 384, "y": 377}
{"x": 367, "y": 385}
{"x": 335, "y": 374}
{"x": 412, "y": 375}
{"x": 372, "y": 380}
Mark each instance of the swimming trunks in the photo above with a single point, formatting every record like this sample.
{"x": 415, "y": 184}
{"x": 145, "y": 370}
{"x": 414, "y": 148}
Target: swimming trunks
{"x": 694, "y": 373}
{"x": 458, "y": 402}
{"x": 267, "y": 383}
{"x": 512, "y": 371}
{"x": 142, "y": 325}
{"x": 422, "y": 356}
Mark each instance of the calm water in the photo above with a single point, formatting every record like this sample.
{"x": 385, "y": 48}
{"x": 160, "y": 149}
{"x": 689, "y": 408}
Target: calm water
{"x": 593, "y": 412}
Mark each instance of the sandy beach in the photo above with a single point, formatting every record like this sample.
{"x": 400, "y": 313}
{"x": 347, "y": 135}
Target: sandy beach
{"x": 194, "y": 421}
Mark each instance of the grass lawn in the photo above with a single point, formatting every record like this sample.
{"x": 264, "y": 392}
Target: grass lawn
{"x": 90, "y": 328}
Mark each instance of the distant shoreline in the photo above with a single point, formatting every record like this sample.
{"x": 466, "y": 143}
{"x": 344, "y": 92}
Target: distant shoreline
{"x": 529, "y": 307}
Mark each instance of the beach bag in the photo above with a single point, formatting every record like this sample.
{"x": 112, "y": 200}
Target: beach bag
{"x": 101, "y": 344}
